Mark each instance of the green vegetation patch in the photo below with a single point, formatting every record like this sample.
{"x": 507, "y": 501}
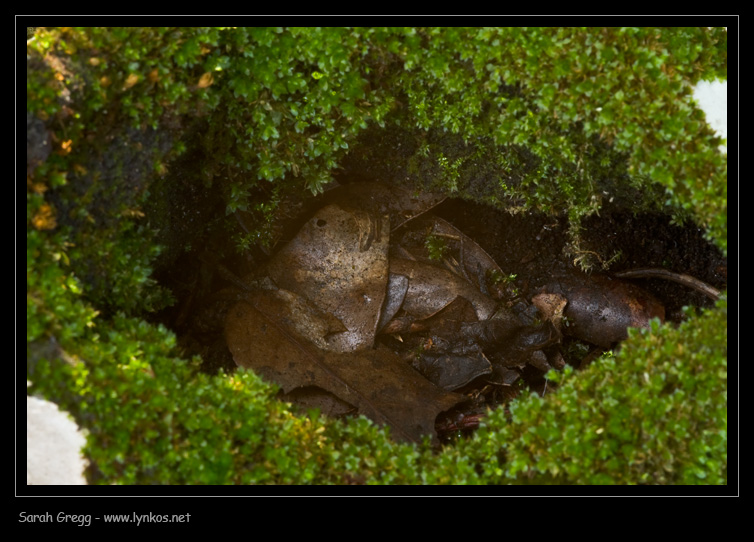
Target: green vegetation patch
{"x": 655, "y": 412}
{"x": 552, "y": 119}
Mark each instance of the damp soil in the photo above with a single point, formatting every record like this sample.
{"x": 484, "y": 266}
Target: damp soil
{"x": 532, "y": 246}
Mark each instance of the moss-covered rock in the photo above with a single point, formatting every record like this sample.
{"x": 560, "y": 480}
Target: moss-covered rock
{"x": 558, "y": 120}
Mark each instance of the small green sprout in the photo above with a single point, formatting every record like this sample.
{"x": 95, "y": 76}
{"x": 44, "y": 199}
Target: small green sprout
{"x": 436, "y": 246}
{"x": 496, "y": 277}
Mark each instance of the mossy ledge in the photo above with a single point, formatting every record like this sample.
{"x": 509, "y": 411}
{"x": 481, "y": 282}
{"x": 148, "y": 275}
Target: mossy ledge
{"x": 241, "y": 120}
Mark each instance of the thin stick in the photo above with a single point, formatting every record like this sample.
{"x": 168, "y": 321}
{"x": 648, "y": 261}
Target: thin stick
{"x": 686, "y": 280}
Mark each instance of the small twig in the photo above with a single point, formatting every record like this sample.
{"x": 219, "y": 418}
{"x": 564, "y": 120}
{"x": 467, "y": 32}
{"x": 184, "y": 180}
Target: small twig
{"x": 604, "y": 263}
{"x": 457, "y": 266}
{"x": 231, "y": 277}
{"x": 686, "y": 280}
{"x": 447, "y": 236}
{"x": 241, "y": 222}
{"x": 451, "y": 264}
{"x": 405, "y": 254}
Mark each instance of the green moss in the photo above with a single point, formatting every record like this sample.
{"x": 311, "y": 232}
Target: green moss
{"x": 654, "y": 413}
{"x": 540, "y": 118}
{"x": 436, "y": 247}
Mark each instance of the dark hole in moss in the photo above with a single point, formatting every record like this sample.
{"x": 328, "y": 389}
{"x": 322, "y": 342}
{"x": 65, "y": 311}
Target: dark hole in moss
{"x": 532, "y": 246}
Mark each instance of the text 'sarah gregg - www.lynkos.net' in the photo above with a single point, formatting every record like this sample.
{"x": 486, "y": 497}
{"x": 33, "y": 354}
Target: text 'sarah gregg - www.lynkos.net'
{"x": 85, "y": 520}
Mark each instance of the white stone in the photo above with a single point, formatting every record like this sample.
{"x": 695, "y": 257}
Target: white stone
{"x": 53, "y": 445}
{"x": 712, "y": 98}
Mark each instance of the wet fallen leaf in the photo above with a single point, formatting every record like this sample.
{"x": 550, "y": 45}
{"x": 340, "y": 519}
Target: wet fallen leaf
{"x": 397, "y": 286}
{"x": 312, "y": 397}
{"x": 450, "y": 321}
{"x": 431, "y": 288}
{"x": 550, "y": 307}
{"x": 400, "y": 204}
{"x": 452, "y": 371}
{"x": 452, "y": 357}
{"x": 261, "y": 336}
{"x": 465, "y": 257}
{"x": 338, "y": 262}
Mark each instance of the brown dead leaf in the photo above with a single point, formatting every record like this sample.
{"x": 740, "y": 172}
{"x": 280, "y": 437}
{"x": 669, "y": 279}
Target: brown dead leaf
{"x": 402, "y": 205}
{"x": 452, "y": 371}
{"x": 450, "y": 320}
{"x": 130, "y": 81}
{"x": 431, "y": 288}
{"x": 44, "y": 219}
{"x": 205, "y": 80}
{"x": 260, "y": 335}
{"x": 465, "y": 257}
{"x": 312, "y": 397}
{"x": 338, "y": 262}
{"x": 65, "y": 147}
{"x": 550, "y": 307}
{"x": 450, "y": 359}
{"x": 397, "y": 286}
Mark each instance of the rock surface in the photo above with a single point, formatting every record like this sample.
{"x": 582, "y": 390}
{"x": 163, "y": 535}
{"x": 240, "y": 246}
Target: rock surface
{"x": 712, "y": 97}
{"x": 53, "y": 444}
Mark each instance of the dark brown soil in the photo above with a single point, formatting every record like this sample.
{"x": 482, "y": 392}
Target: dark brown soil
{"x": 535, "y": 248}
